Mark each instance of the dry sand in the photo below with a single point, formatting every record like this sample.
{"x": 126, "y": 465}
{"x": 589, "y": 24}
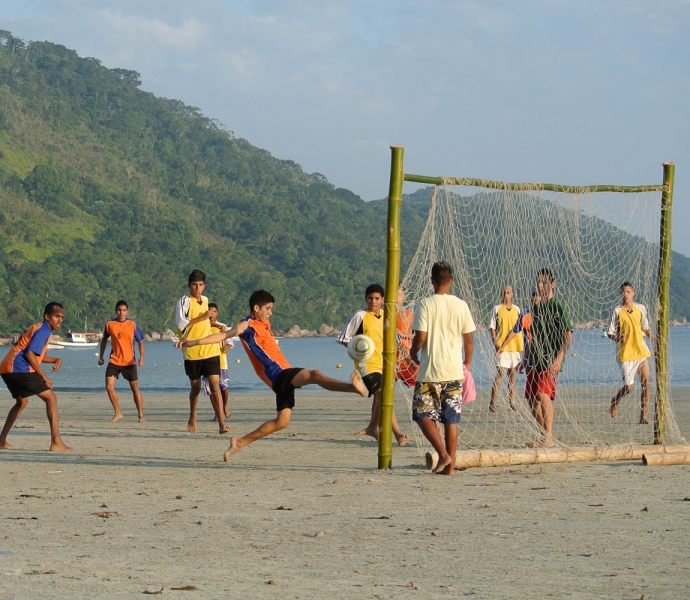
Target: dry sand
{"x": 138, "y": 508}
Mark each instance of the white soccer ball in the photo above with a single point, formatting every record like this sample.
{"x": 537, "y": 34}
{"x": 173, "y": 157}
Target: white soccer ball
{"x": 361, "y": 348}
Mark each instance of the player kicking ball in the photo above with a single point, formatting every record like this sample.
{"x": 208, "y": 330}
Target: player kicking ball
{"x": 272, "y": 368}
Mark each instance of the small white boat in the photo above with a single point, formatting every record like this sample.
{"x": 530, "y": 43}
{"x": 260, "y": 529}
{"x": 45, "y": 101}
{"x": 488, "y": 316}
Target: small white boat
{"x": 75, "y": 340}
{"x": 173, "y": 336}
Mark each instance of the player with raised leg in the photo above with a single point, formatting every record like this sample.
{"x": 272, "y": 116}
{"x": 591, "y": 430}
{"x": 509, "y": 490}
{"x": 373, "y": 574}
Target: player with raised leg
{"x": 272, "y": 368}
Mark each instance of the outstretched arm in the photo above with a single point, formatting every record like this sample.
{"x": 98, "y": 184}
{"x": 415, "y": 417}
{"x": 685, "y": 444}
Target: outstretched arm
{"x": 215, "y": 338}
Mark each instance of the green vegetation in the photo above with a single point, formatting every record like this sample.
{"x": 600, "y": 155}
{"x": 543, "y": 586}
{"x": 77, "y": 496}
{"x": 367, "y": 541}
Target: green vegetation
{"x": 109, "y": 192}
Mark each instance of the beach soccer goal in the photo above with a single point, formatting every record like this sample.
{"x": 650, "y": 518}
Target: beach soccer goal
{"x": 495, "y": 234}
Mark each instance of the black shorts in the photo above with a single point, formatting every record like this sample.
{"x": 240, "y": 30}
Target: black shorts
{"x": 373, "y": 381}
{"x": 23, "y": 385}
{"x": 205, "y": 367}
{"x": 128, "y": 373}
{"x": 285, "y": 391}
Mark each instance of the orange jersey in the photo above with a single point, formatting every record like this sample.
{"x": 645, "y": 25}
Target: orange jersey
{"x": 263, "y": 351}
{"x": 122, "y": 336}
{"x": 36, "y": 339}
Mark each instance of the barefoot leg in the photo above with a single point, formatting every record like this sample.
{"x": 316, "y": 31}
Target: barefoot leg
{"x": 356, "y": 385}
{"x": 56, "y": 443}
{"x": 494, "y": 389}
{"x": 237, "y": 443}
{"x": 112, "y": 396}
{"x": 19, "y": 405}
{"x": 193, "y": 401}
{"x": 138, "y": 400}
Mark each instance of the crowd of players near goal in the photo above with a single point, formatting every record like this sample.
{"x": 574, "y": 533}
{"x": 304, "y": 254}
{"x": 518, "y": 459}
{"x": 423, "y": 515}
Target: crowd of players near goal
{"x": 441, "y": 322}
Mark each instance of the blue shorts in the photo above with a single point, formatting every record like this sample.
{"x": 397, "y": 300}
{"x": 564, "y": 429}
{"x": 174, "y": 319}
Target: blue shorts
{"x": 223, "y": 381}
{"x": 438, "y": 401}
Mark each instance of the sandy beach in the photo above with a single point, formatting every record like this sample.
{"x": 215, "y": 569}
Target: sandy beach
{"x": 146, "y": 508}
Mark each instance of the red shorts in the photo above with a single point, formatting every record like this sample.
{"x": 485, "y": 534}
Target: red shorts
{"x": 540, "y": 382}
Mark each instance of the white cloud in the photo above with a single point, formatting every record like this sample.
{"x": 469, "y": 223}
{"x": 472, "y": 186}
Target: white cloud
{"x": 187, "y": 35}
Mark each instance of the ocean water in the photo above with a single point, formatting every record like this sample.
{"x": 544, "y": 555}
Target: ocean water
{"x": 163, "y": 370}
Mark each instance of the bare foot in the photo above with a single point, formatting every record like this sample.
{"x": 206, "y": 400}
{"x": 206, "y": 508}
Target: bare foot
{"x": 60, "y": 447}
{"x": 117, "y": 417}
{"x": 442, "y": 464}
{"x": 232, "y": 449}
{"x": 370, "y": 431}
{"x": 356, "y": 380}
{"x": 228, "y": 414}
{"x": 541, "y": 444}
{"x": 644, "y": 421}
{"x": 214, "y": 419}
{"x": 402, "y": 439}
{"x": 191, "y": 426}
{"x": 6, "y": 446}
{"x": 223, "y": 429}
{"x": 512, "y": 406}
{"x": 141, "y": 419}
{"x": 613, "y": 411}
{"x": 448, "y": 470}
{"x": 492, "y": 408}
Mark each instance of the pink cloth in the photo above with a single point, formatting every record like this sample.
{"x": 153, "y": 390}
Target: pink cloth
{"x": 469, "y": 393}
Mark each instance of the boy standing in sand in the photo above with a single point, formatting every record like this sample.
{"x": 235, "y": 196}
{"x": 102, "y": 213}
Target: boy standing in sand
{"x": 191, "y": 316}
{"x": 501, "y": 323}
{"x": 21, "y": 371}
{"x": 552, "y": 334}
{"x": 218, "y": 327}
{"x": 272, "y": 368}
{"x": 123, "y": 332}
{"x": 443, "y": 327}
{"x": 628, "y": 326}
{"x": 370, "y": 323}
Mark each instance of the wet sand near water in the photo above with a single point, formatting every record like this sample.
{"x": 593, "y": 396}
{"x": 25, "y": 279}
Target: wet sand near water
{"x": 142, "y": 508}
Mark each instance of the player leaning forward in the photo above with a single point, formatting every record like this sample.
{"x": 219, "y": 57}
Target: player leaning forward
{"x": 272, "y": 368}
{"x": 443, "y": 328}
{"x": 629, "y": 324}
{"x": 22, "y": 373}
{"x": 192, "y": 317}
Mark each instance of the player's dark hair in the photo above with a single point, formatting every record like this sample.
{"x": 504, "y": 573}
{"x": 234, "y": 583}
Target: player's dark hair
{"x": 260, "y": 298}
{"x": 122, "y": 303}
{"x": 50, "y": 308}
{"x": 213, "y": 305}
{"x": 196, "y": 275}
{"x": 627, "y": 284}
{"x": 441, "y": 272}
{"x": 374, "y": 288}
{"x": 547, "y": 273}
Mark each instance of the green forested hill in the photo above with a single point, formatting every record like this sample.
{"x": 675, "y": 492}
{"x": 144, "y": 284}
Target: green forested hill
{"x": 109, "y": 192}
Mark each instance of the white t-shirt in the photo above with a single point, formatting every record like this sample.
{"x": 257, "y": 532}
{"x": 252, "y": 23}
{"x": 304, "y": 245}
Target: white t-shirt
{"x": 444, "y": 318}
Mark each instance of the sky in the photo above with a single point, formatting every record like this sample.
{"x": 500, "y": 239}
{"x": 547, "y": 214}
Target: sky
{"x": 563, "y": 91}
